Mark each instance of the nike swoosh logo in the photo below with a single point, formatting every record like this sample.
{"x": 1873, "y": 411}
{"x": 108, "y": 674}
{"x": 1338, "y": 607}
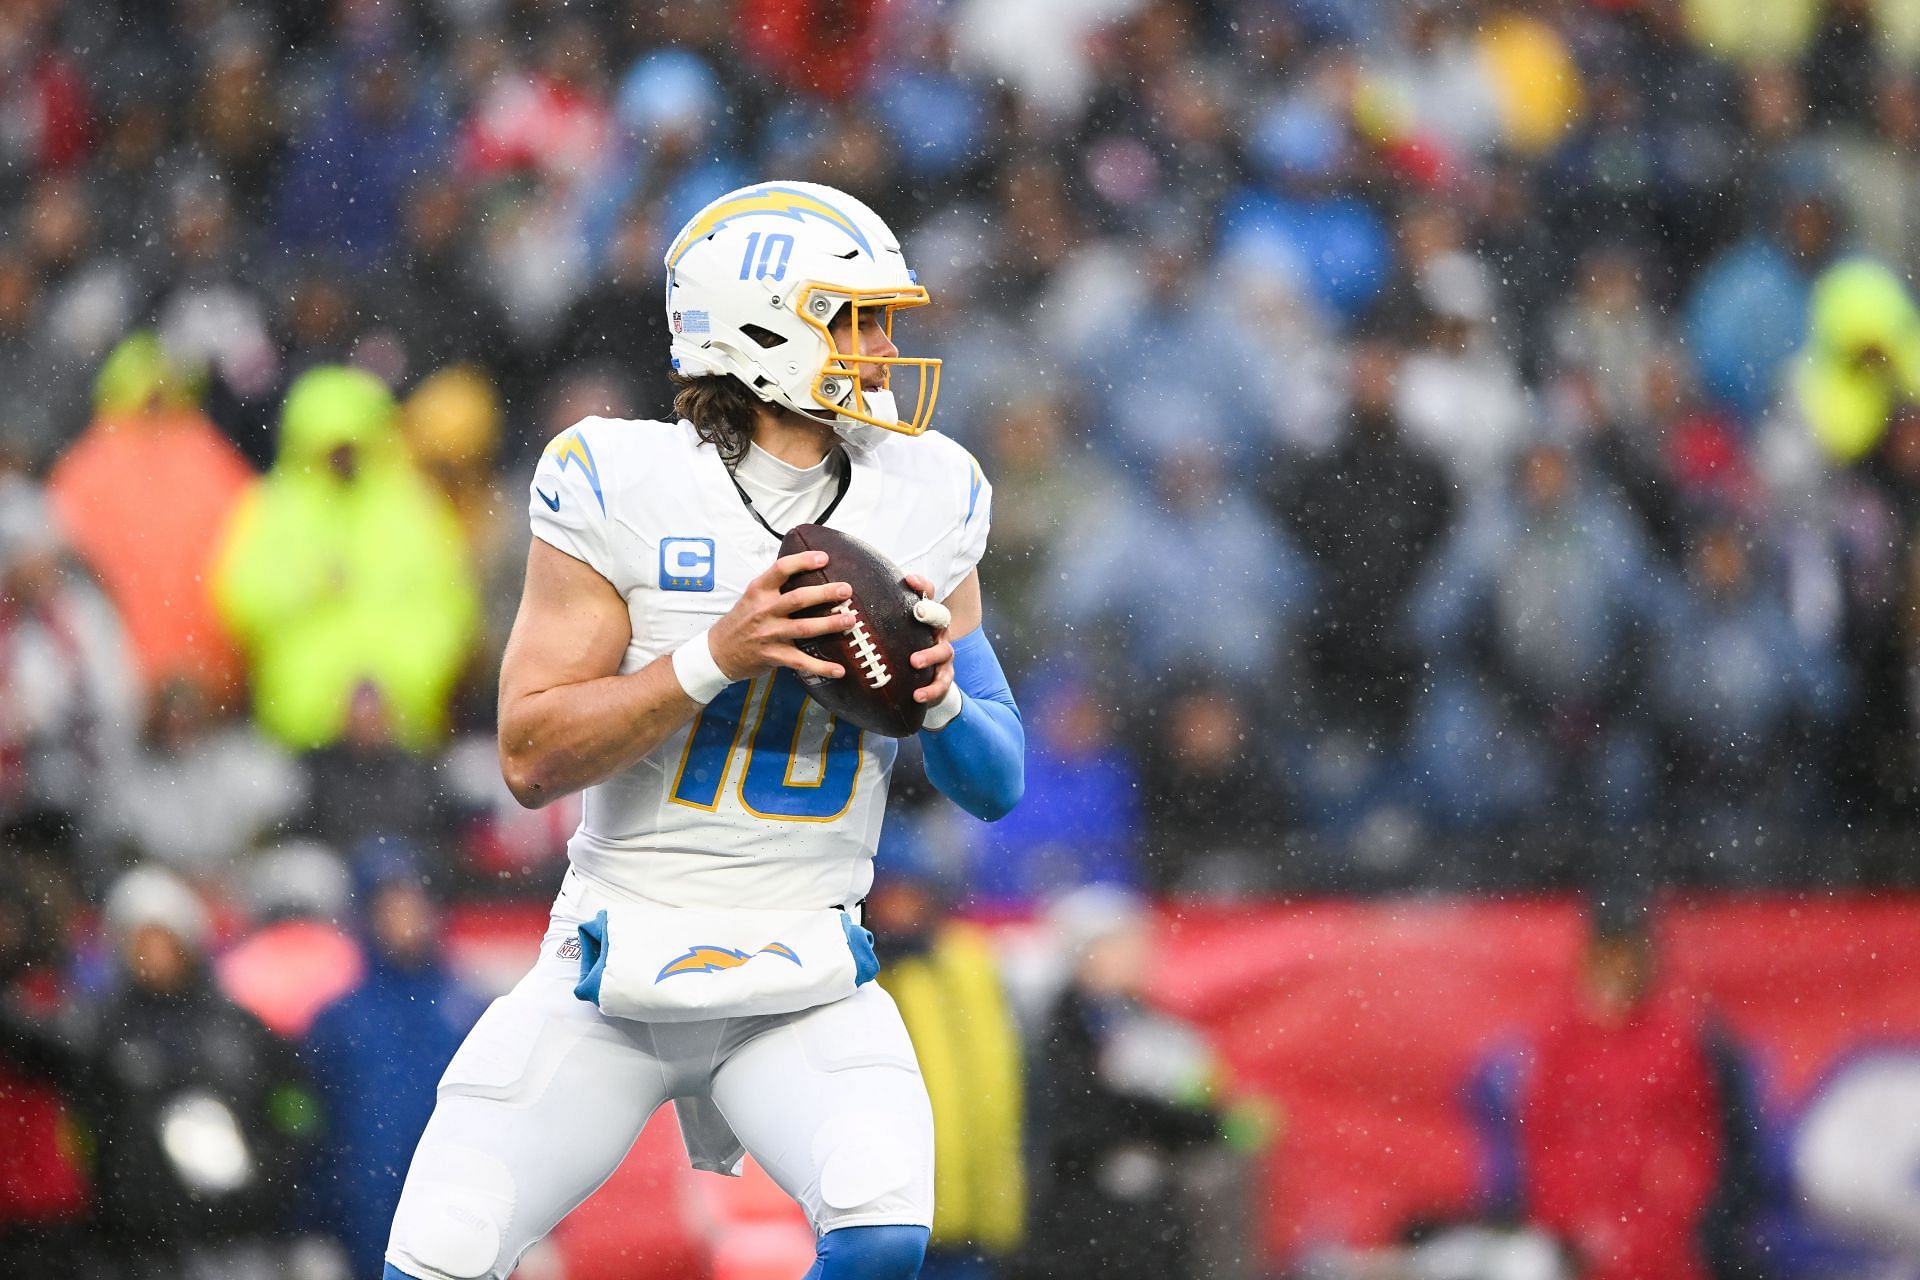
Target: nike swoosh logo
{"x": 553, "y": 503}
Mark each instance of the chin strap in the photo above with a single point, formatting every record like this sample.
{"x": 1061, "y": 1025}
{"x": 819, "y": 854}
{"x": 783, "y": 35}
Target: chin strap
{"x": 864, "y": 436}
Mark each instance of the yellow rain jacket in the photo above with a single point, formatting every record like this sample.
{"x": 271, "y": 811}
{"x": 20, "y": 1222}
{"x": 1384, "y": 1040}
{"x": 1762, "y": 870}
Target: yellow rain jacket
{"x": 969, "y": 1051}
{"x": 329, "y": 582}
{"x": 1861, "y": 359}
{"x": 1536, "y": 79}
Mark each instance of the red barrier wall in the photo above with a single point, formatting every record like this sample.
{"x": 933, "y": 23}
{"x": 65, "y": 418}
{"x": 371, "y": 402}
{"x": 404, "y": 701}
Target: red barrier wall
{"x": 1364, "y": 1021}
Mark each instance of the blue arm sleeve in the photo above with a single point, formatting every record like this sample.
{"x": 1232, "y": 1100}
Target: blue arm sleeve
{"x": 979, "y": 758}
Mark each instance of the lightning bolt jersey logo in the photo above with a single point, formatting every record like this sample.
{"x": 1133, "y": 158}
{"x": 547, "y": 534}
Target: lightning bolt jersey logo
{"x": 707, "y": 959}
{"x": 785, "y": 202}
{"x": 569, "y": 449}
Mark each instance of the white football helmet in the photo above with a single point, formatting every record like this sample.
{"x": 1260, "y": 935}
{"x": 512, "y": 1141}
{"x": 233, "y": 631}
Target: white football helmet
{"x": 756, "y": 277}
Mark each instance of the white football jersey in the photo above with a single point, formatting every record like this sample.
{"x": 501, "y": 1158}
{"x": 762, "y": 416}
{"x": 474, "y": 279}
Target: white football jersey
{"x": 765, "y": 799}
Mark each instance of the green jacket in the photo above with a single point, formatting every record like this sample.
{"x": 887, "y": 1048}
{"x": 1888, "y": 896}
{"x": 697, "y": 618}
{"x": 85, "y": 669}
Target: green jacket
{"x": 329, "y": 582}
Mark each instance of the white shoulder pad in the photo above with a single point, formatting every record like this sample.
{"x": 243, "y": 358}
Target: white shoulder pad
{"x": 961, "y": 493}
{"x": 568, "y": 500}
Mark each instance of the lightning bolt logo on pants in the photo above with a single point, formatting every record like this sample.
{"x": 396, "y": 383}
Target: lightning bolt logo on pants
{"x": 707, "y": 959}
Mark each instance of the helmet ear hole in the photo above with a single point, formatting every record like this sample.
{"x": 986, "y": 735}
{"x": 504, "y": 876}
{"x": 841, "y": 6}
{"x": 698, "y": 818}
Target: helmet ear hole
{"x": 762, "y": 335}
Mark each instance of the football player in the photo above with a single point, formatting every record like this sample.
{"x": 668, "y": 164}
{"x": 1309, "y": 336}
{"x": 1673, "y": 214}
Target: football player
{"x": 653, "y": 664}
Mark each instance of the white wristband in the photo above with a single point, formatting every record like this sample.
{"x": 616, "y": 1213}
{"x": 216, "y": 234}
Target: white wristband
{"x": 944, "y": 712}
{"x": 698, "y": 673}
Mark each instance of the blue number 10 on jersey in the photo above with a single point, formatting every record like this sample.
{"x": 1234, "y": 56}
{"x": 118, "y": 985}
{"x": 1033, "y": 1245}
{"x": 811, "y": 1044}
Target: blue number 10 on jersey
{"x": 779, "y": 708}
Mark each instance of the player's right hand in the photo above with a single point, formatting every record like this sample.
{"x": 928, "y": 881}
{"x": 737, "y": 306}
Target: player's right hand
{"x": 760, "y": 630}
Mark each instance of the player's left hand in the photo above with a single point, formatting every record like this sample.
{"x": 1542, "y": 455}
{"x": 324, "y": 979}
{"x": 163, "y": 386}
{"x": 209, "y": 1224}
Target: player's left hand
{"x": 939, "y": 656}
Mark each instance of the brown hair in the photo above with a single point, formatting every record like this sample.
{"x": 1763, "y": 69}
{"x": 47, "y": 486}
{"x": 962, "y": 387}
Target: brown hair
{"x": 721, "y": 410}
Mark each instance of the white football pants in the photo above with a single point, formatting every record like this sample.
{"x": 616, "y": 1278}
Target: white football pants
{"x": 547, "y": 1094}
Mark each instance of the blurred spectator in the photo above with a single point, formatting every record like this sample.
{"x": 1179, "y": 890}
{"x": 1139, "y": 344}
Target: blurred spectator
{"x": 44, "y": 94}
{"x": 1051, "y": 495}
{"x": 1852, "y": 1150}
{"x": 1436, "y": 66}
{"x": 1122, "y": 1094}
{"x": 131, "y": 167}
{"x": 1700, "y": 147}
{"x": 366, "y": 783}
{"x": 1771, "y": 31}
{"x": 149, "y": 436}
{"x": 235, "y": 114}
{"x": 1840, "y": 64}
{"x": 1861, "y": 359}
{"x": 203, "y": 1117}
{"x": 618, "y": 320}
{"x": 1607, "y": 180}
{"x": 1360, "y": 651}
{"x": 377, "y": 1052}
{"x": 1740, "y": 689}
{"x": 326, "y": 321}
{"x": 536, "y": 137}
{"x": 1747, "y": 312}
{"x": 90, "y": 294}
{"x": 1874, "y": 174}
{"x": 1218, "y": 380}
{"x": 1535, "y": 78}
{"x": 1541, "y": 601}
{"x": 1633, "y": 1130}
{"x": 670, "y": 131}
{"x": 1672, "y": 459}
{"x": 311, "y": 582}
{"x": 214, "y": 312}
{"x": 35, "y": 412}
{"x": 1080, "y": 822}
{"x": 1458, "y": 395}
{"x": 1608, "y": 331}
{"x": 200, "y": 789}
{"x": 298, "y": 957}
{"x": 435, "y": 298}
{"x": 43, "y": 1183}
{"x": 453, "y": 423}
{"x": 1213, "y": 805}
{"x": 1338, "y": 243}
{"x": 1043, "y": 51}
{"x": 818, "y": 47}
{"x": 69, "y": 701}
{"x": 347, "y": 170}
{"x": 944, "y": 976}
{"x": 1521, "y": 253}
{"x": 1194, "y": 575}
{"x": 552, "y": 119}
{"x": 452, "y": 427}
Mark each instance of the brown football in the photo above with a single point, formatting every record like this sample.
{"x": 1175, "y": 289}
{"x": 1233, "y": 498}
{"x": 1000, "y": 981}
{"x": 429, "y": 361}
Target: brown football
{"x": 877, "y": 691}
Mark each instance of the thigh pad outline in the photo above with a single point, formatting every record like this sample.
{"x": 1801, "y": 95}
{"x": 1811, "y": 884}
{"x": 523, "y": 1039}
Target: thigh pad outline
{"x": 449, "y": 1221}
{"x": 513, "y": 1052}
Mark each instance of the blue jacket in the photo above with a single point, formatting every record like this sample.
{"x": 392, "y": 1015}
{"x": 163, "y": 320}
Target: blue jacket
{"x": 376, "y": 1055}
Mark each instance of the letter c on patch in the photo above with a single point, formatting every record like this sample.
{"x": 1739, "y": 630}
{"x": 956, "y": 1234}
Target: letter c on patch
{"x": 686, "y": 564}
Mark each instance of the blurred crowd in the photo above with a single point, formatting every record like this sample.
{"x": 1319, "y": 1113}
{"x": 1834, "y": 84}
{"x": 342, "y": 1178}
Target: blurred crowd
{"x": 1416, "y": 426}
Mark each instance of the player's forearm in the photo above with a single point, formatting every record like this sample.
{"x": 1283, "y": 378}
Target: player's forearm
{"x": 556, "y": 741}
{"x": 976, "y": 755}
